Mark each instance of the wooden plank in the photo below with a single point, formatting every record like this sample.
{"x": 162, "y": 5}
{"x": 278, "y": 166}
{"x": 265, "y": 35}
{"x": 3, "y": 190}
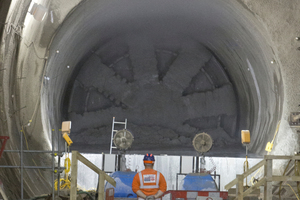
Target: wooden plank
{"x": 254, "y": 187}
{"x": 231, "y": 184}
{"x": 268, "y": 184}
{"x": 247, "y": 173}
{"x": 288, "y": 172}
{"x": 240, "y": 187}
{"x": 74, "y": 171}
{"x": 232, "y": 192}
{"x": 254, "y": 168}
{"x": 96, "y": 169}
{"x": 269, "y": 157}
{"x": 254, "y": 193}
{"x": 285, "y": 178}
{"x": 101, "y": 187}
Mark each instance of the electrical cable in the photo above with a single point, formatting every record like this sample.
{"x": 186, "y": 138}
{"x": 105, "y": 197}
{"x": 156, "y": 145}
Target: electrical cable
{"x": 277, "y": 128}
{"x": 17, "y": 30}
{"x": 293, "y": 191}
{"x": 64, "y": 183}
{"x": 281, "y": 181}
{"x": 67, "y": 165}
{"x": 269, "y": 148}
{"x": 32, "y": 158}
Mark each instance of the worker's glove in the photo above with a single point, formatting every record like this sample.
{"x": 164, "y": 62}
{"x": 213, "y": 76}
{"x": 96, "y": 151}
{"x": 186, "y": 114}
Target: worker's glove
{"x": 150, "y": 197}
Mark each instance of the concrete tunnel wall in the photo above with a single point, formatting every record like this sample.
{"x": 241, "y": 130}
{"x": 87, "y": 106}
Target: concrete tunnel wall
{"x": 236, "y": 40}
{"x": 172, "y": 69}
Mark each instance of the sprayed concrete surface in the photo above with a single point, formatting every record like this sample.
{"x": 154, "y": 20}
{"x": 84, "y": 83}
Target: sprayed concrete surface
{"x": 172, "y": 68}
{"x": 172, "y": 71}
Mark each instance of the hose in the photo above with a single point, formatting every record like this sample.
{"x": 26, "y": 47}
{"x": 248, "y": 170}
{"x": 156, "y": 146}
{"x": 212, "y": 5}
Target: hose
{"x": 67, "y": 165}
{"x": 65, "y": 183}
{"x": 293, "y": 191}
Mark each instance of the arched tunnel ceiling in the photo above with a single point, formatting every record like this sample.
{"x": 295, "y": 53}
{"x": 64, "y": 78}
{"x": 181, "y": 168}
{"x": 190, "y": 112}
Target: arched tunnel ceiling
{"x": 39, "y": 90}
{"x": 172, "y": 69}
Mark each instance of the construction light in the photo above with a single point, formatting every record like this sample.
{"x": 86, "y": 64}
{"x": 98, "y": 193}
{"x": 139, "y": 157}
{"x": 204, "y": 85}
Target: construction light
{"x": 37, "y": 11}
{"x": 65, "y": 130}
{"x": 245, "y": 136}
{"x": 66, "y": 127}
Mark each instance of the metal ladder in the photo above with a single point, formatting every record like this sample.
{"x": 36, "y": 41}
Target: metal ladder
{"x": 113, "y": 131}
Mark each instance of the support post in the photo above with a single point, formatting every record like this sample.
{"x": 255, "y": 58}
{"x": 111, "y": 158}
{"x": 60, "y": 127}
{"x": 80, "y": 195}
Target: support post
{"x": 268, "y": 175}
{"x": 22, "y": 168}
{"x": 197, "y": 164}
{"x": 101, "y": 187}
{"x": 58, "y": 166}
{"x": 239, "y": 187}
{"x": 74, "y": 168}
{"x": 76, "y": 156}
{"x": 53, "y": 167}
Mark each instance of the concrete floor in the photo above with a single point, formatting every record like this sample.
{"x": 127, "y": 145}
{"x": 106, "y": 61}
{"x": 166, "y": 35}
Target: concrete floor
{"x": 172, "y": 68}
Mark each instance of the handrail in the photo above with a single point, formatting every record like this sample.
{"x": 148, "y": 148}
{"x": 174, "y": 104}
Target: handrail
{"x": 74, "y": 170}
{"x": 251, "y": 189}
{"x": 254, "y": 168}
{"x": 273, "y": 157}
{"x": 231, "y": 184}
{"x": 245, "y": 174}
{"x": 266, "y": 180}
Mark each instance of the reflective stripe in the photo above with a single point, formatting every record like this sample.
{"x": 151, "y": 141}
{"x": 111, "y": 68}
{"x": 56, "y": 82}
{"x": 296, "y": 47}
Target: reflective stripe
{"x": 149, "y": 187}
{"x": 140, "y": 198}
{"x": 141, "y": 180}
{"x": 157, "y": 181}
{"x": 142, "y": 186}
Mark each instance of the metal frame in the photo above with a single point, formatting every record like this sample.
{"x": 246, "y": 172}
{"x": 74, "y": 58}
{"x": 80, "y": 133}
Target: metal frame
{"x": 22, "y": 167}
{"x": 113, "y": 131}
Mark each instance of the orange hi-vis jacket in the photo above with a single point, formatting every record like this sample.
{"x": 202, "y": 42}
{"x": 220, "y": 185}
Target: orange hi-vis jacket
{"x": 149, "y": 181}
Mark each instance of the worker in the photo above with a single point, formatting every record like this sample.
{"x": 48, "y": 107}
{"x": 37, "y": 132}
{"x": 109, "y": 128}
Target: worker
{"x": 149, "y": 184}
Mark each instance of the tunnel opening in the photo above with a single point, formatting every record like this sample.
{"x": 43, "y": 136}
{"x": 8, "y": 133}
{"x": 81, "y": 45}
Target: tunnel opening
{"x": 173, "y": 69}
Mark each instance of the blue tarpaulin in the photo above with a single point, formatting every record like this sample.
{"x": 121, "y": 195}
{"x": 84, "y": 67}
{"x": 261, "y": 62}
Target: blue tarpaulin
{"x": 198, "y": 182}
{"x": 124, "y": 182}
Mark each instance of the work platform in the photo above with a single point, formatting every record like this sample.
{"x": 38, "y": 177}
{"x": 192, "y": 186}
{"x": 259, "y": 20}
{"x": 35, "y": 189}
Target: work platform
{"x": 266, "y": 180}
